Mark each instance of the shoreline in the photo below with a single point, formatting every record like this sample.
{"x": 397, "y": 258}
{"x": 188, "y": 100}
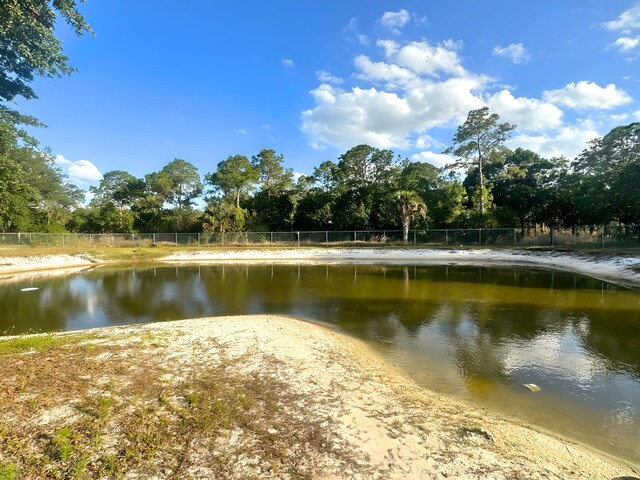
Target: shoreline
{"x": 620, "y": 269}
{"x": 374, "y": 421}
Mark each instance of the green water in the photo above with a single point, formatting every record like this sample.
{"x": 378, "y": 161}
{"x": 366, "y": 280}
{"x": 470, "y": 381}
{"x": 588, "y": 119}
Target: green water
{"x": 474, "y": 333}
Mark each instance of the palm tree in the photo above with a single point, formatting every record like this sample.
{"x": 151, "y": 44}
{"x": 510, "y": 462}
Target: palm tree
{"x": 409, "y": 206}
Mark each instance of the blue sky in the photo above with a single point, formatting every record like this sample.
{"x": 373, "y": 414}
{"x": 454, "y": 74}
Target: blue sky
{"x": 202, "y": 80}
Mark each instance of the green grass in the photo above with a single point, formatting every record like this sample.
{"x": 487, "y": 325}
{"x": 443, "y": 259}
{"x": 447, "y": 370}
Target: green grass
{"x": 8, "y": 471}
{"x": 37, "y": 343}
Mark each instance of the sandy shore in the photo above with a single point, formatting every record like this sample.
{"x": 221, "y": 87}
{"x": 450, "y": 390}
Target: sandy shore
{"x": 622, "y": 269}
{"x": 359, "y": 417}
{"x": 617, "y": 268}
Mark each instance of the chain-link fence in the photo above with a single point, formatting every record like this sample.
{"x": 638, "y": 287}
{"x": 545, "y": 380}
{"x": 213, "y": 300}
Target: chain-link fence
{"x": 602, "y": 236}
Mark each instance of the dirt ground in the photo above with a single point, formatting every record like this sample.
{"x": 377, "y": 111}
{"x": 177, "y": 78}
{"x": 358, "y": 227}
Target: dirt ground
{"x": 250, "y": 397}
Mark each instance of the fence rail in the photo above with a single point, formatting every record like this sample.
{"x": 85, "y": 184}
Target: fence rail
{"x": 608, "y": 235}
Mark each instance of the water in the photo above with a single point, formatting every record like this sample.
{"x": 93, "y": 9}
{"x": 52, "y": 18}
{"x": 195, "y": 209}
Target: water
{"x": 474, "y": 333}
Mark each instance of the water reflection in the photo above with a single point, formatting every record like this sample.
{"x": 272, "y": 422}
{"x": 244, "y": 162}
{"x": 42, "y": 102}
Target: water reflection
{"x": 476, "y": 332}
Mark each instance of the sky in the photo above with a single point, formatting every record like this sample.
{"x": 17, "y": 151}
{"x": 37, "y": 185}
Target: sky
{"x": 203, "y": 80}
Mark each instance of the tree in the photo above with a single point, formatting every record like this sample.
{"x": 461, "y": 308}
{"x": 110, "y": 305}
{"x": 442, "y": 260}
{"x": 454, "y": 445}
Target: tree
{"x": 475, "y": 140}
{"x": 519, "y": 185}
{"x": 273, "y": 177}
{"x": 120, "y": 190}
{"x": 233, "y": 177}
{"x": 29, "y": 48}
{"x": 409, "y": 206}
{"x": 604, "y": 165}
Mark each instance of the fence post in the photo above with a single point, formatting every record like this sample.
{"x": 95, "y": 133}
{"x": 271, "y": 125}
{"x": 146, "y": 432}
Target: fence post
{"x": 515, "y": 236}
{"x": 414, "y": 238}
{"x": 602, "y": 242}
{"x": 176, "y": 237}
{"x": 326, "y": 237}
{"x": 479, "y": 237}
{"x": 271, "y": 238}
{"x": 198, "y": 238}
{"x": 446, "y": 237}
{"x": 154, "y": 238}
{"x": 298, "y": 238}
{"x": 552, "y": 234}
{"x": 355, "y": 239}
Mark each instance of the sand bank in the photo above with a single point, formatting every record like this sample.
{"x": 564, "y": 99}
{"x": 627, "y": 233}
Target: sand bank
{"x": 618, "y": 268}
{"x": 337, "y": 409}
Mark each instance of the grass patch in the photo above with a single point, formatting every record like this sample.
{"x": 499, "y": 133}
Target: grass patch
{"x": 37, "y": 343}
{"x": 112, "y": 415}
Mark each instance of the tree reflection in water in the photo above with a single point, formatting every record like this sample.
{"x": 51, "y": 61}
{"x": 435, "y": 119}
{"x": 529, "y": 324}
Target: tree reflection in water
{"x": 483, "y": 331}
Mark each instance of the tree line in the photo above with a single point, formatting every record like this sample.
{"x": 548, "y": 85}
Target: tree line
{"x": 365, "y": 188}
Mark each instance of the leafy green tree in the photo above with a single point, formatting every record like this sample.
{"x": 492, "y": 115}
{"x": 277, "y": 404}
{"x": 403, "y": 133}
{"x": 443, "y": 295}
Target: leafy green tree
{"x": 518, "y": 185}
{"x": 603, "y": 166}
{"x": 474, "y": 142}
{"x": 223, "y": 216}
{"x": 115, "y": 196}
{"x": 233, "y": 177}
{"x": 29, "y": 48}
{"x": 273, "y": 177}
{"x": 178, "y": 184}
{"x": 276, "y": 199}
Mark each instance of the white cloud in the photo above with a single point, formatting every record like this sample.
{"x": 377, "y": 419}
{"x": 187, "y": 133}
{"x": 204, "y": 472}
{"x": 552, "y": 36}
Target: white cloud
{"x": 265, "y": 126}
{"x": 287, "y": 62}
{"x": 388, "y": 119}
{"x": 583, "y": 95}
{"x": 381, "y": 71}
{"x": 326, "y": 77}
{"x": 241, "y": 131}
{"x": 624, "y": 44}
{"x": 526, "y": 113}
{"x": 568, "y": 142}
{"x": 390, "y": 47}
{"x": 437, "y": 159}
{"x": 362, "y": 38}
{"x": 628, "y": 21}
{"x": 395, "y": 20}
{"x": 82, "y": 173}
{"x": 426, "y": 59}
{"x": 515, "y": 51}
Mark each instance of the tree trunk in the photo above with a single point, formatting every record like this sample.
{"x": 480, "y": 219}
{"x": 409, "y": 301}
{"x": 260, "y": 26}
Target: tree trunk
{"x": 406, "y": 223}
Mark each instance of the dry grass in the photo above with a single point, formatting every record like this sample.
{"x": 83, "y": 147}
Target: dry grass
{"x": 86, "y": 410}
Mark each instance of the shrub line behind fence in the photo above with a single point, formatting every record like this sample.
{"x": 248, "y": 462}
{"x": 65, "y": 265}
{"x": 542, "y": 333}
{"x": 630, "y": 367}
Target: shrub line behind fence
{"x": 579, "y": 236}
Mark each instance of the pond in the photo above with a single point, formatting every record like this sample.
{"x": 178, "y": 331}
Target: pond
{"x": 475, "y": 333}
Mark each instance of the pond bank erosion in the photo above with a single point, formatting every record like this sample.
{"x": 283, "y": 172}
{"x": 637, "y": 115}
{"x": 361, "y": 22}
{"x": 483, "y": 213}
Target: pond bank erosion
{"x": 250, "y": 397}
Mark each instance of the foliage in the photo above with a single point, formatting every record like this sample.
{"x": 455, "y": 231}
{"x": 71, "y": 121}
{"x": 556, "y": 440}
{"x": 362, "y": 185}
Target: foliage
{"x": 475, "y": 141}
{"x": 233, "y": 177}
{"x": 29, "y": 48}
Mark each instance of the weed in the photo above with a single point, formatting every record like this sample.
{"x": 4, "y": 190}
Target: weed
{"x": 61, "y": 443}
{"x": 8, "y": 471}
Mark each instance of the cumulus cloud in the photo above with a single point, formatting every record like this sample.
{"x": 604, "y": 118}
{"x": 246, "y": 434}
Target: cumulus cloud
{"x": 526, "y": 113}
{"x": 241, "y": 131}
{"x": 568, "y": 141}
{"x": 395, "y": 20}
{"x": 624, "y": 44}
{"x": 326, "y": 77}
{"x": 82, "y": 173}
{"x": 388, "y": 119}
{"x": 628, "y": 21}
{"x": 287, "y": 62}
{"x": 584, "y": 95}
{"x": 426, "y": 59}
{"x": 437, "y": 159}
{"x": 515, "y": 52}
